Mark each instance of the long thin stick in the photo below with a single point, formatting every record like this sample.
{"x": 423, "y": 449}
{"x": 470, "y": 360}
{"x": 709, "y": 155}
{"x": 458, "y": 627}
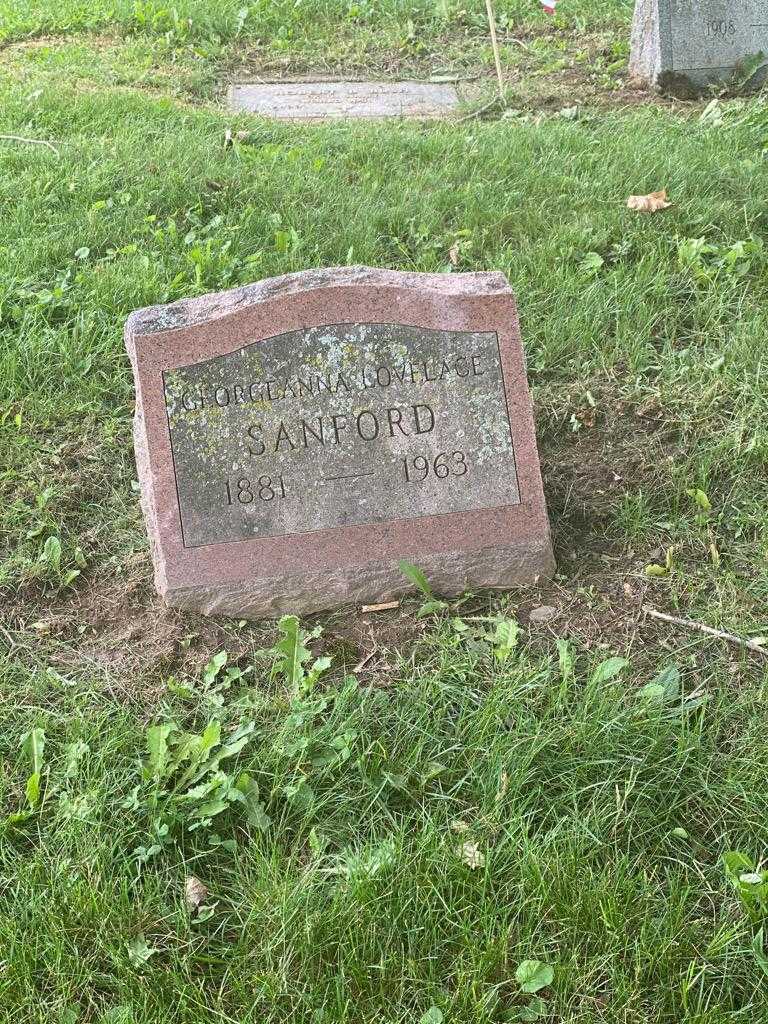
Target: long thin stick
{"x": 32, "y": 142}
{"x": 476, "y": 113}
{"x": 495, "y": 45}
{"x": 721, "y": 634}
{"x": 384, "y": 606}
{"x": 364, "y": 661}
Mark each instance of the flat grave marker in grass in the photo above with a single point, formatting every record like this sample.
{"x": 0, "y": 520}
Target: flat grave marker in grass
{"x": 321, "y": 101}
{"x": 297, "y": 438}
{"x": 685, "y": 46}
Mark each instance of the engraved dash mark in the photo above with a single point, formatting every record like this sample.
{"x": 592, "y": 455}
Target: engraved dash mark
{"x": 348, "y": 476}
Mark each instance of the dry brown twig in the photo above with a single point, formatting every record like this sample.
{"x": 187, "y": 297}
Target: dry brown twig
{"x": 699, "y": 627}
{"x": 383, "y": 606}
{"x": 495, "y": 46}
{"x": 31, "y": 142}
{"x": 364, "y": 661}
{"x": 480, "y": 110}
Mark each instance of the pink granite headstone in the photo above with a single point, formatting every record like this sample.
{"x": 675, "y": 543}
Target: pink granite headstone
{"x": 296, "y": 438}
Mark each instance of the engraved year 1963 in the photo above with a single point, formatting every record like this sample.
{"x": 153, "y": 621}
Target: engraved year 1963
{"x": 419, "y": 467}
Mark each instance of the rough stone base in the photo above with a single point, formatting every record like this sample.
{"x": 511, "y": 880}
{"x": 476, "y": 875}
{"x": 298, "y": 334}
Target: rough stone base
{"x": 448, "y": 575}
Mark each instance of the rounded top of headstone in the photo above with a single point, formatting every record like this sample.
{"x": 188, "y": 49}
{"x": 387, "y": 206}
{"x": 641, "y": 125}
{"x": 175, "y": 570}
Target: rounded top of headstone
{"x": 187, "y": 312}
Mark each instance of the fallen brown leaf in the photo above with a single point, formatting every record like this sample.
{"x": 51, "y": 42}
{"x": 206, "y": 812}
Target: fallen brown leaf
{"x": 453, "y": 254}
{"x": 649, "y": 204}
{"x": 195, "y": 893}
{"x": 472, "y": 856}
{"x": 543, "y": 613}
{"x": 460, "y": 826}
{"x": 650, "y": 407}
{"x": 503, "y": 787}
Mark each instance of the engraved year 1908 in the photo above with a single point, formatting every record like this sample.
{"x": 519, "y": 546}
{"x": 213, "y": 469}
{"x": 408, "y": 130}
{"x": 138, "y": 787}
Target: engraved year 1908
{"x": 719, "y": 29}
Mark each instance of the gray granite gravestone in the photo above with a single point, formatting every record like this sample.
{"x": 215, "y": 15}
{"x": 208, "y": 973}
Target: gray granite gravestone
{"x": 686, "y": 46}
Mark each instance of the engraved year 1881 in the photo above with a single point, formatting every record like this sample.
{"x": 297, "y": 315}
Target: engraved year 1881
{"x": 245, "y": 491}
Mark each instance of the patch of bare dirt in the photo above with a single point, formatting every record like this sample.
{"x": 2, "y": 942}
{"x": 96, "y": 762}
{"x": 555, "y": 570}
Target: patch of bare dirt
{"x": 548, "y": 69}
{"x": 115, "y": 627}
{"x": 96, "y": 40}
{"x": 120, "y": 629}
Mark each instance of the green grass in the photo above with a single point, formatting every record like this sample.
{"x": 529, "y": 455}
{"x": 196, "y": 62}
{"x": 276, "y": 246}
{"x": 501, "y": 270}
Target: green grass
{"x": 283, "y": 20}
{"x": 190, "y": 47}
{"x": 356, "y": 903}
{"x": 645, "y": 353}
